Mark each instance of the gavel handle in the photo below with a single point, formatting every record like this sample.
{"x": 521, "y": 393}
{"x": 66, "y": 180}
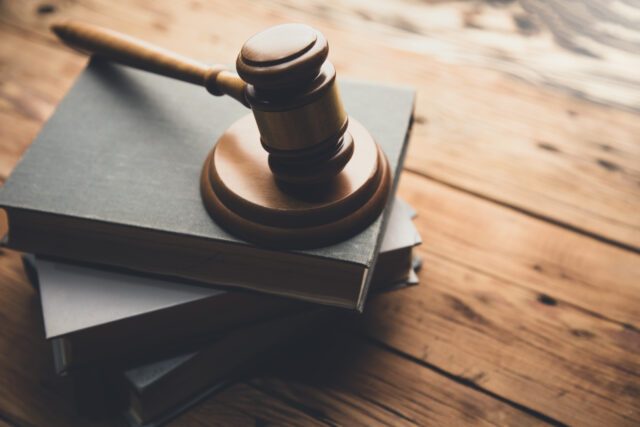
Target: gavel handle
{"x": 218, "y": 79}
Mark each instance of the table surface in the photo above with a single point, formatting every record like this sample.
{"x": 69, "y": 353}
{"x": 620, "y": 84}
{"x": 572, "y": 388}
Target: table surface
{"x": 524, "y": 166}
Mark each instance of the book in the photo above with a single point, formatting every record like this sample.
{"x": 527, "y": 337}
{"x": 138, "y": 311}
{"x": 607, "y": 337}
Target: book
{"x": 94, "y": 315}
{"x": 156, "y": 392}
{"x": 113, "y": 177}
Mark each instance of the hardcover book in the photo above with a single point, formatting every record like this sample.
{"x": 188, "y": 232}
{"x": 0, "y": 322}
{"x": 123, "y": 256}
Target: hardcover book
{"x": 113, "y": 178}
{"x": 159, "y": 391}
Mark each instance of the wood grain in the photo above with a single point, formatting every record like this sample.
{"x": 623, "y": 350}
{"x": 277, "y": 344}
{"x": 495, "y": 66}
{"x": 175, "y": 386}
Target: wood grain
{"x": 346, "y": 381}
{"x": 536, "y": 350}
{"x": 526, "y": 252}
{"x": 585, "y": 49}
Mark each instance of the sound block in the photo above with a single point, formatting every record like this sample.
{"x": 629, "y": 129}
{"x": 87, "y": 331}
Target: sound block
{"x": 241, "y": 194}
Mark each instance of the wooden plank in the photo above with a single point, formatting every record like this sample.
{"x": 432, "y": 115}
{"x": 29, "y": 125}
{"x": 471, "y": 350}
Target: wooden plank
{"x": 347, "y": 381}
{"x": 540, "y": 151}
{"x": 525, "y": 251}
{"x": 37, "y": 74}
{"x": 541, "y": 353}
{"x": 480, "y": 316}
{"x": 34, "y": 80}
{"x": 566, "y": 162}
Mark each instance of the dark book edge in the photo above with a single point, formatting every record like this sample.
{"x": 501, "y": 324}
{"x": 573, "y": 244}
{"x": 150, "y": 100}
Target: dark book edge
{"x": 364, "y": 290}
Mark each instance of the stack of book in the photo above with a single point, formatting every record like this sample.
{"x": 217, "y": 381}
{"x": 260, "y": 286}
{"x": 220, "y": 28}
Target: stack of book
{"x": 139, "y": 288}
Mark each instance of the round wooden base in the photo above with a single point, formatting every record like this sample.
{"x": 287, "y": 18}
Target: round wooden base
{"x": 240, "y": 193}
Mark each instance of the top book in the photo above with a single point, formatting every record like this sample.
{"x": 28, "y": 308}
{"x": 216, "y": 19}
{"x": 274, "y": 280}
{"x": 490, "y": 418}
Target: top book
{"x": 113, "y": 178}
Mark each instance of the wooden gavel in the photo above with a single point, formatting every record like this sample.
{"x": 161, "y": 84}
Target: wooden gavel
{"x": 285, "y": 78}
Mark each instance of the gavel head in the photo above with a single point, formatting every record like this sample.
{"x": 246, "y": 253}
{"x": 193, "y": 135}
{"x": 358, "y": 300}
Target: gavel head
{"x": 296, "y": 104}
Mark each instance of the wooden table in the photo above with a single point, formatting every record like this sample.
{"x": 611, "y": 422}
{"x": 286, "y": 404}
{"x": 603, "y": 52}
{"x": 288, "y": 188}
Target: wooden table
{"x": 524, "y": 165}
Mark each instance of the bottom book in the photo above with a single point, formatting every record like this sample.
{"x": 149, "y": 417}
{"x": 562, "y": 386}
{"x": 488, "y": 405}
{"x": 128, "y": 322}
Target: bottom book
{"x": 154, "y": 393}
{"x": 161, "y": 390}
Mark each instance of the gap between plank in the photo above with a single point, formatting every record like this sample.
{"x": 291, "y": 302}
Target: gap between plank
{"x": 463, "y": 381}
{"x": 524, "y": 211}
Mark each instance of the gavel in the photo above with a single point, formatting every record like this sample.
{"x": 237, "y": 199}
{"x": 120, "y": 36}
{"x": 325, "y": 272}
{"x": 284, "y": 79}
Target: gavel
{"x": 329, "y": 178}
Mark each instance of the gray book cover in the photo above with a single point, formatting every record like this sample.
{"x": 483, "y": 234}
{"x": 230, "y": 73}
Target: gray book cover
{"x": 126, "y": 147}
